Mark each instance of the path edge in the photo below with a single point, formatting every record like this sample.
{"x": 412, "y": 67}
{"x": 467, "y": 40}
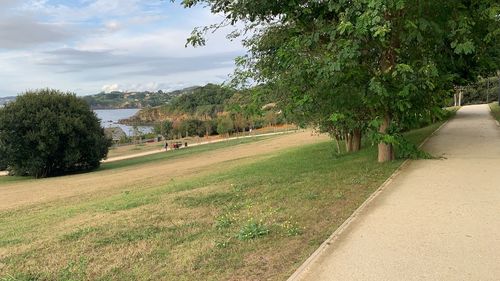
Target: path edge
{"x": 304, "y": 268}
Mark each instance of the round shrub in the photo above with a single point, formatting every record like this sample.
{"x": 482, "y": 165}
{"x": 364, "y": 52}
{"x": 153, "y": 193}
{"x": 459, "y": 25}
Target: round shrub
{"x": 48, "y": 132}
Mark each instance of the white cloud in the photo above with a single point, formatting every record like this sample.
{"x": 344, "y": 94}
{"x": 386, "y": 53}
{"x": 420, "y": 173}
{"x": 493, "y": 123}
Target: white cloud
{"x": 98, "y": 45}
{"x": 110, "y": 88}
{"x": 112, "y": 25}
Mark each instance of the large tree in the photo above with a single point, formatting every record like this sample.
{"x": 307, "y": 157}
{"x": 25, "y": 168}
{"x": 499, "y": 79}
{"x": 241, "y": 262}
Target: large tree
{"x": 402, "y": 57}
{"x": 47, "y": 132}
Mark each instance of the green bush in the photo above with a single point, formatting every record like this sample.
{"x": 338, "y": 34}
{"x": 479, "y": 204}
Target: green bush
{"x": 48, "y": 132}
{"x": 225, "y": 125}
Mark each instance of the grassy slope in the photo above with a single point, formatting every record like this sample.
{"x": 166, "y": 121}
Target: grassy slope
{"x": 158, "y": 157}
{"x": 495, "y": 110}
{"x": 139, "y": 148}
{"x": 189, "y": 230}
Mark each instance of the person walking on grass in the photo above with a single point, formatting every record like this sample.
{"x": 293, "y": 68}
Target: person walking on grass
{"x": 166, "y": 146}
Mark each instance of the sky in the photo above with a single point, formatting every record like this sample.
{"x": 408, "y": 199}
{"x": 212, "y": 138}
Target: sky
{"x": 89, "y": 46}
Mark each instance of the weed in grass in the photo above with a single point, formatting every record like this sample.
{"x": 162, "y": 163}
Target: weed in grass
{"x": 339, "y": 195}
{"x": 291, "y": 229}
{"x": 221, "y": 244}
{"x": 224, "y": 221}
{"x": 312, "y": 195}
{"x": 234, "y": 207}
{"x": 74, "y": 270}
{"x": 253, "y": 230}
{"x": 239, "y": 187}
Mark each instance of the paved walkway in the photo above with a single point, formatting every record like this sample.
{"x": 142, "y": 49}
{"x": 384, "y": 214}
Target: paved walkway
{"x": 437, "y": 220}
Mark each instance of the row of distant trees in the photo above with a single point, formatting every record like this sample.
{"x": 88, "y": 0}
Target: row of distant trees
{"x": 224, "y": 125}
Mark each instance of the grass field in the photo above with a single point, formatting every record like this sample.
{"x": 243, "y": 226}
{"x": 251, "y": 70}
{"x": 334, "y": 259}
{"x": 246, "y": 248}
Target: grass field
{"x": 180, "y": 153}
{"x": 134, "y": 149}
{"x": 151, "y": 159}
{"x": 256, "y": 221}
{"x": 145, "y": 147}
{"x": 495, "y": 110}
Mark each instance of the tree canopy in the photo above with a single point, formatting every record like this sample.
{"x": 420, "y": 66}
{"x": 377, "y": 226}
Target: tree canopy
{"x": 378, "y": 63}
{"x": 47, "y": 132}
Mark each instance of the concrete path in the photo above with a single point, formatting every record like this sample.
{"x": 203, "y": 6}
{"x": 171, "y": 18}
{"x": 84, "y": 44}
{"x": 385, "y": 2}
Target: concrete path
{"x": 437, "y": 220}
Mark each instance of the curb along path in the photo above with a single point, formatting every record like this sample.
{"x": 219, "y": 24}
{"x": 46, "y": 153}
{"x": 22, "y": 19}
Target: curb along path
{"x": 435, "y": 220}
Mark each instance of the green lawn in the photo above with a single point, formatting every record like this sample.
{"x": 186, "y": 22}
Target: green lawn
{"x": 495, "y": 110}
{"x": 257, "y": 221}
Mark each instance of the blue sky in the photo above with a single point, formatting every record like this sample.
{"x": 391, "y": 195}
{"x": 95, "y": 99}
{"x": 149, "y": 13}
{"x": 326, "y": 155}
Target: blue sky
{"x": 88, "y": 46}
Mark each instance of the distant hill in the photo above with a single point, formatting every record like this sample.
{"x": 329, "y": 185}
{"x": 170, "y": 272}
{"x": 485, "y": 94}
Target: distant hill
{"x": 121, "y": 100}
{"x": 206, "y": 103}
{"x": 118, "y": 100}
{"x": 203, "y": 102}
{"x": 4, "y": 100}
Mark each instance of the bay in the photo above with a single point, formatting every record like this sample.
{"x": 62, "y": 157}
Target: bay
{"x": 109, "y": 118}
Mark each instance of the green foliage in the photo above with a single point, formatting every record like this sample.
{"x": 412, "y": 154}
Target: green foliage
{"x": 366, "y": 60}
{"x": 165, "y": 129}
{"x": 47, "y": 132}
{"x": 195, "y": 112}
{"x": 252, "y": 230}
{"x": 201, "y": 101}
{"x": 495, "y": 110}
{"x": 483, "y": 91}
{"x": 408, "y": 150}
{"x": 225, "y": 125}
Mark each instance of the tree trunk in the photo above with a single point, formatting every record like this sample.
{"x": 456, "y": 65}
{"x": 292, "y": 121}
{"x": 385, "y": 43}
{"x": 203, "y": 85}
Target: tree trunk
{"x": 348, "y": 142}
{"x": 356, "y": 140}
{"x": 385, "y": 150}
{"x": 337, "y": 143}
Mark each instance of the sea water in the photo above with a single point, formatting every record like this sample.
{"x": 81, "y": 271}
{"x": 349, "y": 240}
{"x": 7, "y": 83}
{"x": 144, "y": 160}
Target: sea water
{"x": 109, "y": 118}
